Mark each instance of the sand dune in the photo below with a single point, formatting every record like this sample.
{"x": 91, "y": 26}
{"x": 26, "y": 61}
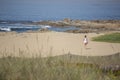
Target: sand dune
{"x": 52, "y": 44}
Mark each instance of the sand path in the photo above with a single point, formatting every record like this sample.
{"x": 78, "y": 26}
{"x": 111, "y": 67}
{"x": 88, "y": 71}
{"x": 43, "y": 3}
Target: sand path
{"x": 53, "y": 44}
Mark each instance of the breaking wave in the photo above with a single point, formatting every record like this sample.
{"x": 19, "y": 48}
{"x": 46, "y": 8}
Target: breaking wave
{"x": 22, "y": 28}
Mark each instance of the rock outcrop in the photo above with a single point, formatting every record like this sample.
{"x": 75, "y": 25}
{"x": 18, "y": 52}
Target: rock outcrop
{"x": 100, "y": 25}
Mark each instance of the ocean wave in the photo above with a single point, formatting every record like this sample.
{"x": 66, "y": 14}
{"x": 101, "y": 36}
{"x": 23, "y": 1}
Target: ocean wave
{"x": 14, "y": 22}
{"x": 5, "y": 29}
{"x": 25, "y": 27}
{"x": 22, "y": 28}
{"x": 45, "y": 26}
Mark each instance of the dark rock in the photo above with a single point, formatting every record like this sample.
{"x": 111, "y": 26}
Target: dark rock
{"x": 81, "y": 31}
{"x": 67, "y": 20}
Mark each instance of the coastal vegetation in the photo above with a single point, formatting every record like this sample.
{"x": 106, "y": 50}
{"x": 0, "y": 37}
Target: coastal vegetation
{"x": 64, "y": 67}
{"x": 113, "y": 38}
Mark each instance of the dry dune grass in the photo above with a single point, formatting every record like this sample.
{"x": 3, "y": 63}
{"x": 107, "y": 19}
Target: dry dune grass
{"x": 72, "y": 67}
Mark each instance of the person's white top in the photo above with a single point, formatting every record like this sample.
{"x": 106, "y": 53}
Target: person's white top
{"x": 85, "y": 40}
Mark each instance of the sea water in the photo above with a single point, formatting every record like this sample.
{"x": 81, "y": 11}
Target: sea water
{"x": 38, "y": 10}
{"x": 20, "y": 27}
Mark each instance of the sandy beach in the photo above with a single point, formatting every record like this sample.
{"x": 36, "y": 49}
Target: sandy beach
{"x": 53, "y": 44}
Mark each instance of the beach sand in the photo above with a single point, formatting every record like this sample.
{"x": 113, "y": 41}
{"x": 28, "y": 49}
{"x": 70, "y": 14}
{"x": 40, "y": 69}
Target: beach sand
{"x": 53, "y": 44}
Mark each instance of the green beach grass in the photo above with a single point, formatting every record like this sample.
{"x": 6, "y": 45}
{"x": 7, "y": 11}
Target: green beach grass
{"x": 64, "y": 67}
{"x": 113, "y": 38}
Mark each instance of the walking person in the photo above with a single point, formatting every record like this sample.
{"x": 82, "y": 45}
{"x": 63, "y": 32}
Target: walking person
{"x": 85, "y": 41}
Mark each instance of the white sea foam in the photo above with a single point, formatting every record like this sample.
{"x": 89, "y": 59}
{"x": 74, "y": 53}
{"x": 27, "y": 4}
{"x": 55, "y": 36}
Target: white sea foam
{"x": 5, "y": 29}
{"x": 18, "y": 28}
{"x": 45, "y": 26}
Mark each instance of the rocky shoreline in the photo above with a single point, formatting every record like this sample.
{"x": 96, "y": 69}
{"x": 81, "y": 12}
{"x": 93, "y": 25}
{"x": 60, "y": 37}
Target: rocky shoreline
{"x": 85, "y": 26}
{"x": 79, "y": 26}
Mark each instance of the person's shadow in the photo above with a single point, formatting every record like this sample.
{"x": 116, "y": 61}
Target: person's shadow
{"x": 88, "y": 48}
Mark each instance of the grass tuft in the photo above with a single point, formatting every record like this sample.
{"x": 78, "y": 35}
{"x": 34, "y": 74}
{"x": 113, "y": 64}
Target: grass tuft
{"x": 64, "y": 67}
{"x": 113, "y": 38}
